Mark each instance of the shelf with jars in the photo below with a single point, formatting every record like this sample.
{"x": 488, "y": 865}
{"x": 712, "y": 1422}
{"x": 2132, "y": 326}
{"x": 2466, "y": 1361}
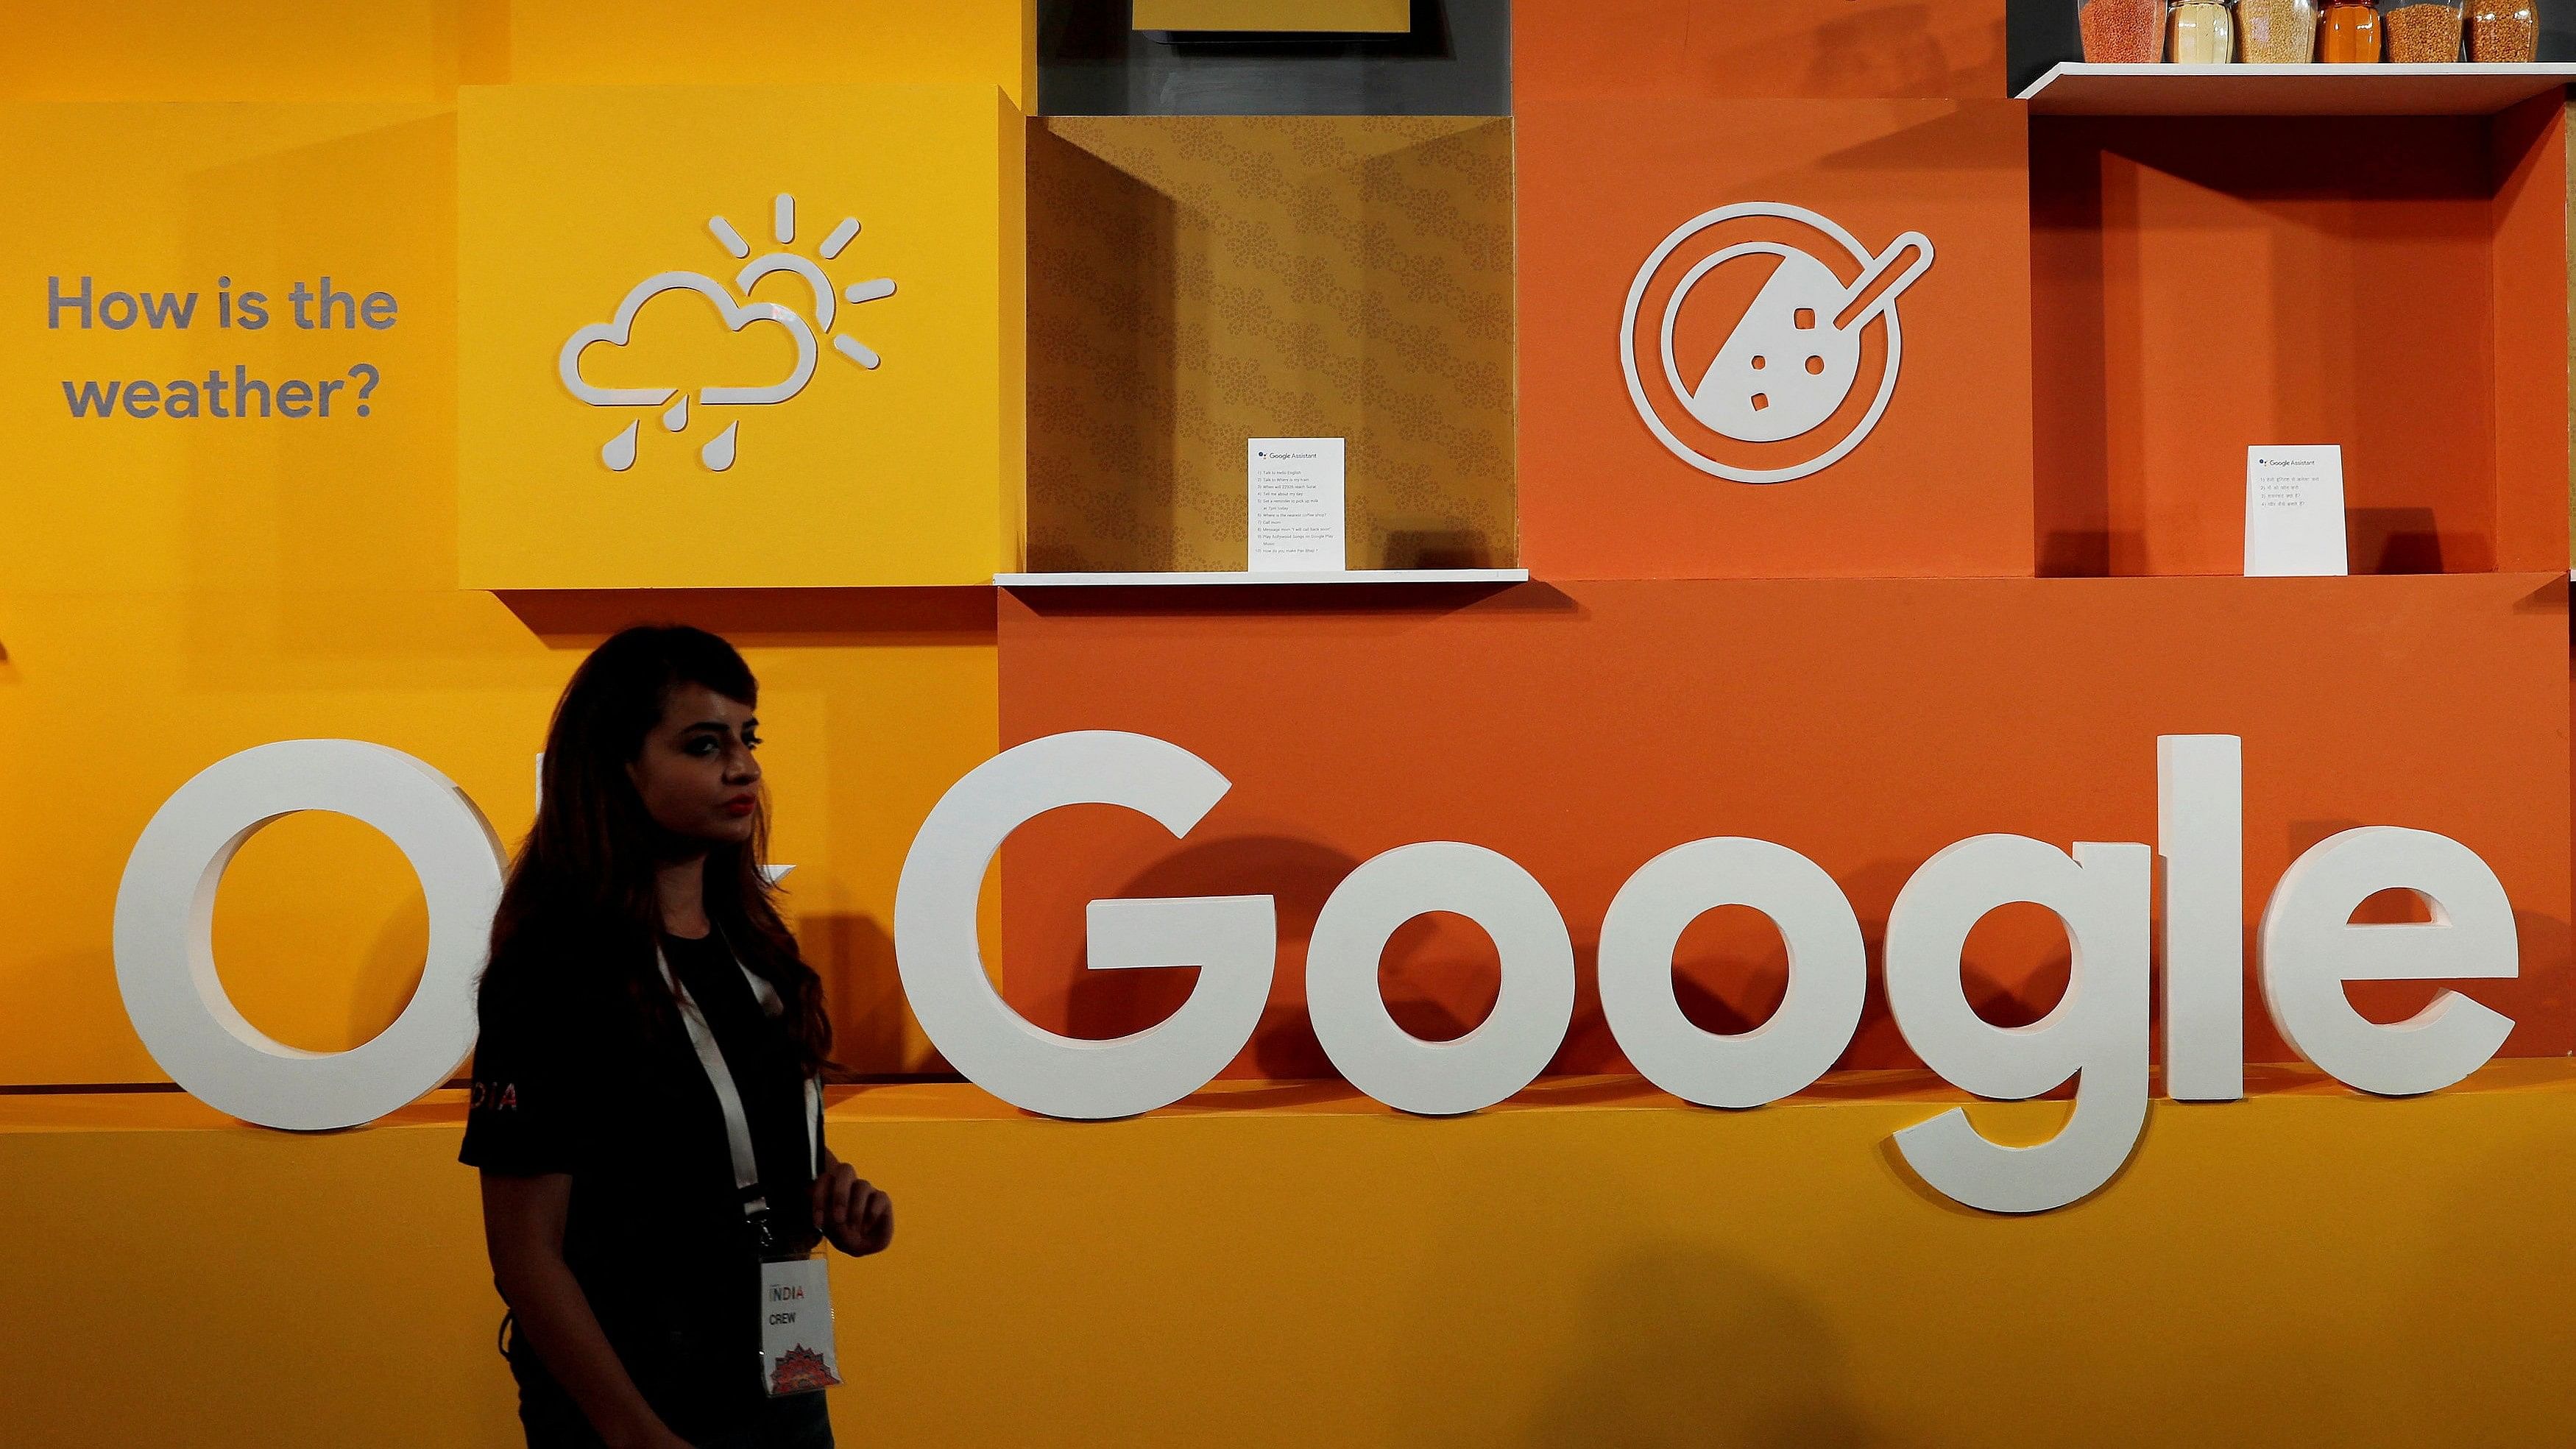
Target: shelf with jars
{"x": 2286, "y": 57}
{"x": 2075, "y": 88}
{"x": 2302, "y": 32}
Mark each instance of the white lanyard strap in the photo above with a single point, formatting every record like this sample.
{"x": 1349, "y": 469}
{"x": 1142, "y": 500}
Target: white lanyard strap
{"x": 746, "y": 1165}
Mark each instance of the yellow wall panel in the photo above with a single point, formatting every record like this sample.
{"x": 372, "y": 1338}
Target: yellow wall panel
{"x": 778, "y": 42}
{"x": 244, "y": 50}
{"x": 174, "y": 590}
{"x": 174, "y": 201}
{"x": 275, "y": 50}
{"x": 1287, "y": 1266}
{"x": 577, "y": 201}
{"x": 109, "y": 703}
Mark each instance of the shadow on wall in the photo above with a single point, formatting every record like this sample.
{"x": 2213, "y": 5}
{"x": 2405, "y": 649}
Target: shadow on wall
{"x": 2392, "y": 541}
{"x": 1102, "y": 357}
{"x": 1892, "y": 51}
{"x": 873, "y": 1034}
{"x": 1690, "y": 1346}
{"x": 813, "y": 618}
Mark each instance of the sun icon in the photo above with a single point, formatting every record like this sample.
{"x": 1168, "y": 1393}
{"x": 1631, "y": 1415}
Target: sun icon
{"x": 783, "y": 228}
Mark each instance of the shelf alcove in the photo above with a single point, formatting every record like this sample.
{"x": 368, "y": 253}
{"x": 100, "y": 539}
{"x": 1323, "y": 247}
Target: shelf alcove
{"x": 2392, "y": 283}
{"x": 1196, "y": 281}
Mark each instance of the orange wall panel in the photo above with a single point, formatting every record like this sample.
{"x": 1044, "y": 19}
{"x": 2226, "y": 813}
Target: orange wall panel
{"x": 1940, "y": 486}
{"x": 1867, "y": 723}
{"x": 1821, "y": 48}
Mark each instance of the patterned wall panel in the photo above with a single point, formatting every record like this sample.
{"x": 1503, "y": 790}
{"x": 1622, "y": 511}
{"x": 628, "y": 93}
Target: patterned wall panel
{"x": 1196, "y": 281}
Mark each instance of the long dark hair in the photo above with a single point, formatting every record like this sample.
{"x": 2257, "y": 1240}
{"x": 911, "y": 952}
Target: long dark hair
{"x": 584, "y": 878}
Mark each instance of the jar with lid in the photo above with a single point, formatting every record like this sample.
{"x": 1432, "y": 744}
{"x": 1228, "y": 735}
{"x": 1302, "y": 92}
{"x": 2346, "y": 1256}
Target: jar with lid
{"x": 2277, "y": 32}
{"x": 2503, "y": 32}
{"x": 2200, "y": 32}
{"x": 2420, "y": 32}
{"x": 2348, "y": 33}
{"x": 2121, "y": 32}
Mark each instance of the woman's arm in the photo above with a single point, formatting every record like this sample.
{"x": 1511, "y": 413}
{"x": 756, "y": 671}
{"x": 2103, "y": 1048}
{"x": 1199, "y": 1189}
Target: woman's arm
{"x": 523, "y": 1227}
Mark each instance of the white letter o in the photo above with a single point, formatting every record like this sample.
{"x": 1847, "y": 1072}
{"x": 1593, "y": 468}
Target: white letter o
{"x": 1509, "y": 1048}
{"x": 165, "y": 915}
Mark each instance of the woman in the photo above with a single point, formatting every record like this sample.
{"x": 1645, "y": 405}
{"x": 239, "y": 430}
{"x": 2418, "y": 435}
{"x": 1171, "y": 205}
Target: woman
{"x": 618, "y": 1106}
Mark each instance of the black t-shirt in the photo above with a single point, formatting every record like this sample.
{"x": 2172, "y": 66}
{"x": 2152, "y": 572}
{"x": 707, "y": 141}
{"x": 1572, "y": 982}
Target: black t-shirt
{"x": 567, "y": 1080}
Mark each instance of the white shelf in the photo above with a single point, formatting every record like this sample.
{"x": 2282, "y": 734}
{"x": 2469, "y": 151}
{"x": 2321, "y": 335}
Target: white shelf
{"x": 2073, "y": 89}
{"x": 1342, "y": 576}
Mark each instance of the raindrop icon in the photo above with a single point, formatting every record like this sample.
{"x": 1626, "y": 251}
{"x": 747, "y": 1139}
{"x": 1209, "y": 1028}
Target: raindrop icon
{"x": 619, "y": 455}
{"x": 718, "y": 453}
{"x": 678, "y": 417}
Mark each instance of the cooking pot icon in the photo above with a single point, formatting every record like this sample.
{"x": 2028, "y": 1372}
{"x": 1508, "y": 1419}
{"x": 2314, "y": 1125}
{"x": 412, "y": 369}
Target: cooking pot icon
{"x": 1792, "y": 359}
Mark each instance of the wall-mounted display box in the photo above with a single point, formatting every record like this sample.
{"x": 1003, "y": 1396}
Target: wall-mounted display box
{"x": 1198, "y": 281}
{"x": 2392, "y": 283}
{"x": 744, "y": 337}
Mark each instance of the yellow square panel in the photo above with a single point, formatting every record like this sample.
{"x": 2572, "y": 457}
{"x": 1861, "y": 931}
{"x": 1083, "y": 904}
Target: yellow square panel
{"x": 738, "y": 336}
{"x": 777, "y": 42}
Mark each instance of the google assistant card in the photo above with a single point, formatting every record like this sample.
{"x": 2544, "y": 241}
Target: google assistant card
{"x": 1295, "y": 490}
{"x": 2294, "y": 511}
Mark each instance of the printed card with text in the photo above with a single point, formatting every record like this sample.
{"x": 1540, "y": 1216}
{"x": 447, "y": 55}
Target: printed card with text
{"x": 2294, "y": 511}
{"x": 1295, "y": 492}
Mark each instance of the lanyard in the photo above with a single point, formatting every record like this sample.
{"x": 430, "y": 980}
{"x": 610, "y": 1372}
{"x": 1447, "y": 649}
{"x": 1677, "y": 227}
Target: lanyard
{"x": 746, "y": 1166}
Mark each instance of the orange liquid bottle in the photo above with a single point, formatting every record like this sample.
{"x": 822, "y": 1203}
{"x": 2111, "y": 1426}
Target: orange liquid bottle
{"x": 2348, "y": 33}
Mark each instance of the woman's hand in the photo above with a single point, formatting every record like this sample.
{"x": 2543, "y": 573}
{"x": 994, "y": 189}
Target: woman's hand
{"x": 856, "y": 1215}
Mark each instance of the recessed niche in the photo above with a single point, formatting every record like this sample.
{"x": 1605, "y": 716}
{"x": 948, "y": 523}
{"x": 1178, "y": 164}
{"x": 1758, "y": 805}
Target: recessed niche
{"x": 2395, "y": 285}
{"x": 1195, "y": 282}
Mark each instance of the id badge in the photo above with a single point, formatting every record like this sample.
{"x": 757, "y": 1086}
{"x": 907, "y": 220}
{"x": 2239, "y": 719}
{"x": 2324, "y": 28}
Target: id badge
{"x": 796, "y": 1352}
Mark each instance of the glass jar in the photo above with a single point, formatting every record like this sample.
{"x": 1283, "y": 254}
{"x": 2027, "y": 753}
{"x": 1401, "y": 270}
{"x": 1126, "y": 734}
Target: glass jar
{"x": 2277, "y": 32}
{"x": 2421, "y": 32}
{"x": 2122, "y": 32}
{"x": 2348, "y": 33}
{"x": 2503, "y": 32}
{"x": 2200, "y": 32}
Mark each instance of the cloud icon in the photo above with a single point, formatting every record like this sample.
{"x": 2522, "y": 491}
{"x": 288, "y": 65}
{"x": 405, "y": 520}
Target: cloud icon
{"x": 737, "y": 315}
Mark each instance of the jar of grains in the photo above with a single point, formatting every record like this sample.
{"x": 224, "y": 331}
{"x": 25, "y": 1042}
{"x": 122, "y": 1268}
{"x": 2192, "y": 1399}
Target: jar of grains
{"x": 2421, "y": 32}
{"x": 2503, "y": 32}
{"x": 2277, "y": 32}
{"x": 2348, "y": 33}
{"x": 2200, "y": 32}
{"x": 2122, "y": 32}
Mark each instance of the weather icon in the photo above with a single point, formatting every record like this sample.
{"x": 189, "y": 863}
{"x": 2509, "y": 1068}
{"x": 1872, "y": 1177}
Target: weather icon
{"x": 734, "y": 307}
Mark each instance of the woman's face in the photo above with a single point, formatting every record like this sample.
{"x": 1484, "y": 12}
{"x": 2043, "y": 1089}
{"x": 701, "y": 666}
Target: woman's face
{"x": 696, "y": 775}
